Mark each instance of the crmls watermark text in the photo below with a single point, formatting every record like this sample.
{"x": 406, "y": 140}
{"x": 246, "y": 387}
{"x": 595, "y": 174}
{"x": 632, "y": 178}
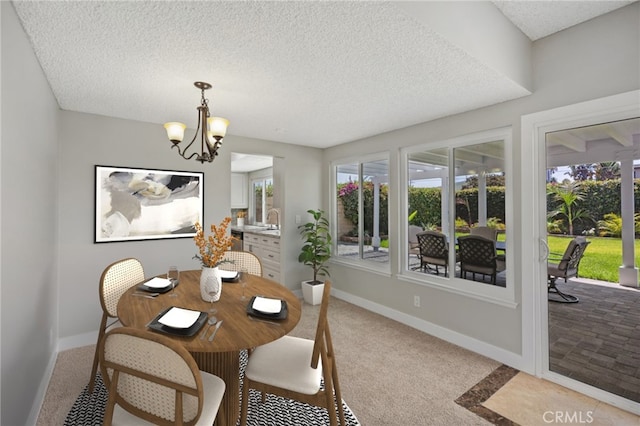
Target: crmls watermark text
{"x": 568, "y": 417}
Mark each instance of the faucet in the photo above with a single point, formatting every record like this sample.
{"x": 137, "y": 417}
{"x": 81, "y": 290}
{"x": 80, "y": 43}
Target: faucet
{"x": 271, "y": 212}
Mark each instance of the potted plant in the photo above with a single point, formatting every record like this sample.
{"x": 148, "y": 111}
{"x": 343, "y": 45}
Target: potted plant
{"x": 316, "y": 251}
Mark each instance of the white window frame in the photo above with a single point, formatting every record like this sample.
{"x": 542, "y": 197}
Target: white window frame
{"x": 359, "y": 263}
{"x": 263, "y": 176}
{"x": 504, "y": 296}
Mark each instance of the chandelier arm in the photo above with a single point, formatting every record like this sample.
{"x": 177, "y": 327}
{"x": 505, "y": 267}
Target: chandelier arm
{"x": 183, "y": 153}
{"x": 203, "y": 130}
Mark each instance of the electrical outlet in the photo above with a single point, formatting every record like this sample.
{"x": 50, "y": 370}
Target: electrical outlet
{"x": 298, "y": 219}
{"x": 416, "y": 301}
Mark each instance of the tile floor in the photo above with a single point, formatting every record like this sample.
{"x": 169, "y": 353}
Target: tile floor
{"x": 527, "y": 400}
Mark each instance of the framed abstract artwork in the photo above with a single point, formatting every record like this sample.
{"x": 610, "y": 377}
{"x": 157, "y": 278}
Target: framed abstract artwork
{"x": 144, "y": 204}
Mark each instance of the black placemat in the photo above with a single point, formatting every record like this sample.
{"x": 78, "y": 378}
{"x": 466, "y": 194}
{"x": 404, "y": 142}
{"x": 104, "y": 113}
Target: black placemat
{"x": 191, "y": 331}
{"x": 277, "y": 316}
{"x": 144, "y": 287}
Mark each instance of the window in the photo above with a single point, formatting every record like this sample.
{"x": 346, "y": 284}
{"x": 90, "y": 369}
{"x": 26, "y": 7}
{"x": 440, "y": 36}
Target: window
{"x": 456, "y": 188}
{"x": 262, "y": 200}
{"x": 361, "y": 211}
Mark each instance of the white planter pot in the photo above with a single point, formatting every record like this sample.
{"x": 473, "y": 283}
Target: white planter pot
{"x": 312, "y": 294}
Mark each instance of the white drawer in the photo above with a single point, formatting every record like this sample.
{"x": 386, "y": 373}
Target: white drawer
{"x": 271, "y": 274}
{"x": 270, "y": 255}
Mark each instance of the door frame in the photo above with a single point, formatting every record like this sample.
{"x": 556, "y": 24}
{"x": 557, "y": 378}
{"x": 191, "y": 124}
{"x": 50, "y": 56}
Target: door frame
{"x": 535, "y": 327}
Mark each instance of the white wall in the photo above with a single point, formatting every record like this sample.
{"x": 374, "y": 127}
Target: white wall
{"x": 87, "y": 140}
{"x": 594, "y": 59}
{"x": 29, "y": 173}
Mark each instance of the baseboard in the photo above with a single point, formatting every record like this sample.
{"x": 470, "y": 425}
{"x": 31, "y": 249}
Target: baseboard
{"x": 501, "y": 355}
{"x": 42, "y": 390}
{"x": 77, "y": 341}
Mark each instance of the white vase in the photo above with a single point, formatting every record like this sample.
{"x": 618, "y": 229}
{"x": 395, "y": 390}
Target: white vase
{"x": 210, "y": 281}
{"x": 241, "y": 221}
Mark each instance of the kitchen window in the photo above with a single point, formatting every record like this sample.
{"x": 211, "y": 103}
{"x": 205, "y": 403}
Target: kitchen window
{"x": 261, "y": 200}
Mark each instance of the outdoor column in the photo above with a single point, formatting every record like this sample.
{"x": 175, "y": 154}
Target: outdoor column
{"x": 482, "y": 198}
{"x": 444, "y": 203}
{"x": 628, "y": 272}
{"x": 375, "y": 240}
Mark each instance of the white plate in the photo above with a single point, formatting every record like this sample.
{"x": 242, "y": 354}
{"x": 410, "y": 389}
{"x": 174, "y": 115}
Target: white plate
{"x": 158, "y": 283}
{"x": 227, "y": 275}
{"x": 179, "y": 318}
{"x": 267, "y": 305}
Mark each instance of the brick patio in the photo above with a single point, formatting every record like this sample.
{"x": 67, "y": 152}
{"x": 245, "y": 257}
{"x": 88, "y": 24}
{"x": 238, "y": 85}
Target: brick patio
{"x": 597, "y": 340}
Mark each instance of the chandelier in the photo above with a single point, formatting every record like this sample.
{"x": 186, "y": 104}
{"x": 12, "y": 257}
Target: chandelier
{"x": 210, "y": 129}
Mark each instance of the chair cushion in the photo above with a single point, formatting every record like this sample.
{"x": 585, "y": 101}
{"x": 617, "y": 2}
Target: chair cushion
{"x": 212, "y": 388}
{"x": 486, "y": 270}
{"x": 435, "y": 261}
{"x": 285, "y": 363}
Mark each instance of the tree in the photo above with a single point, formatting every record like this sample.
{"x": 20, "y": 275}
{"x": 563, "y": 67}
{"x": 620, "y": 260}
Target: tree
{"x": 607, "y": 171}
{"x": 581, "y": 171}
{"x": 568, "y": 194}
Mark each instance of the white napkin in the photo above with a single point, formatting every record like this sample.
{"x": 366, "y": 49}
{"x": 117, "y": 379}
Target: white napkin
{"x": 158, "y": 283}
{"x": 267, "y": 305}
{"x": 179, "y": 318}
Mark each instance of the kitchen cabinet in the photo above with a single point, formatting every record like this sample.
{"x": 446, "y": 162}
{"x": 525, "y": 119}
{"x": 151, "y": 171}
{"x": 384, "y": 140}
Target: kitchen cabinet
{"x": 267, "y": 248}
{"x": 239, "y": 191}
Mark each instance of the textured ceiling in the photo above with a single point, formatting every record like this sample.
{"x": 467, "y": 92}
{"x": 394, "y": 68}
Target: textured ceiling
{"x": 312, "y": 73}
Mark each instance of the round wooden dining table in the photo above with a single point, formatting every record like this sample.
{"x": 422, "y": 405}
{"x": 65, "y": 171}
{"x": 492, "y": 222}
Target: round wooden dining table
{"x": 239, "y": 331}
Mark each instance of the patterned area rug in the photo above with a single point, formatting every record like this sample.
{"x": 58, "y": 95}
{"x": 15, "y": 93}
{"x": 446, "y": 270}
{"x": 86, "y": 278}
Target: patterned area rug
{"x": 89, "y": 408}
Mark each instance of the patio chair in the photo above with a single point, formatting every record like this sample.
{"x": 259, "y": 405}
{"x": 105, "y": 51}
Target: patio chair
{"x": 414, "y": 246}
{"x": 565, "y": 266}
{"x": 485, "y": 231}
{"x": 478, "y": 256}
{"x": 153, "y": 379}
{"x": 434, "y": 250}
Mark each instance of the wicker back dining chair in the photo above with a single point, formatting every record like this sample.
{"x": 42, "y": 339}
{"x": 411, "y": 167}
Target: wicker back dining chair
{"x": 152, "y": 378}
{"x": 116, "y": 279}
{"x": 235, "y": 260}
{"x": 294, "y": 368}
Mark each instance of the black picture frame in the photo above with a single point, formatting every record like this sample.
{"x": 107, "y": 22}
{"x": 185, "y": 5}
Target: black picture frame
{"x": 134, "y": 204}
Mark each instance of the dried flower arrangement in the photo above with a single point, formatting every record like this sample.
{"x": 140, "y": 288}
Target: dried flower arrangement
{"x": 242, "y": 214}
{"x": 212, "y": 248}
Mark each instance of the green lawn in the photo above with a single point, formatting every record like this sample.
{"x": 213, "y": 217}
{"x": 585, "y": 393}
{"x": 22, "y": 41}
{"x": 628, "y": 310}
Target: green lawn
{"x": 602, "y": 258}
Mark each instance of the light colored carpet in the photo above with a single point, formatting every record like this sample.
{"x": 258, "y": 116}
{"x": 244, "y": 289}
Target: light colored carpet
{"x": 390, "y": 374}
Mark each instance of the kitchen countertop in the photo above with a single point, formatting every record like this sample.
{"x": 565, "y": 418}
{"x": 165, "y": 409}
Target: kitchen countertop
{"x": 257, "y": 229}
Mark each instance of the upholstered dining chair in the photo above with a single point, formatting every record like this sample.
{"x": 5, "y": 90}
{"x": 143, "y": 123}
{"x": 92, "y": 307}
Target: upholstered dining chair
{"x": 434, "y": 250}
{"x": 485, "y": 231}
{"x": 152, "y": 379}
{"x": 294, "y": 368}
{"x": 565, "y": 266}
{"x": 116, "y": 279}
{"x": 235, "y": 260}
{"x": 478, "y": 256}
